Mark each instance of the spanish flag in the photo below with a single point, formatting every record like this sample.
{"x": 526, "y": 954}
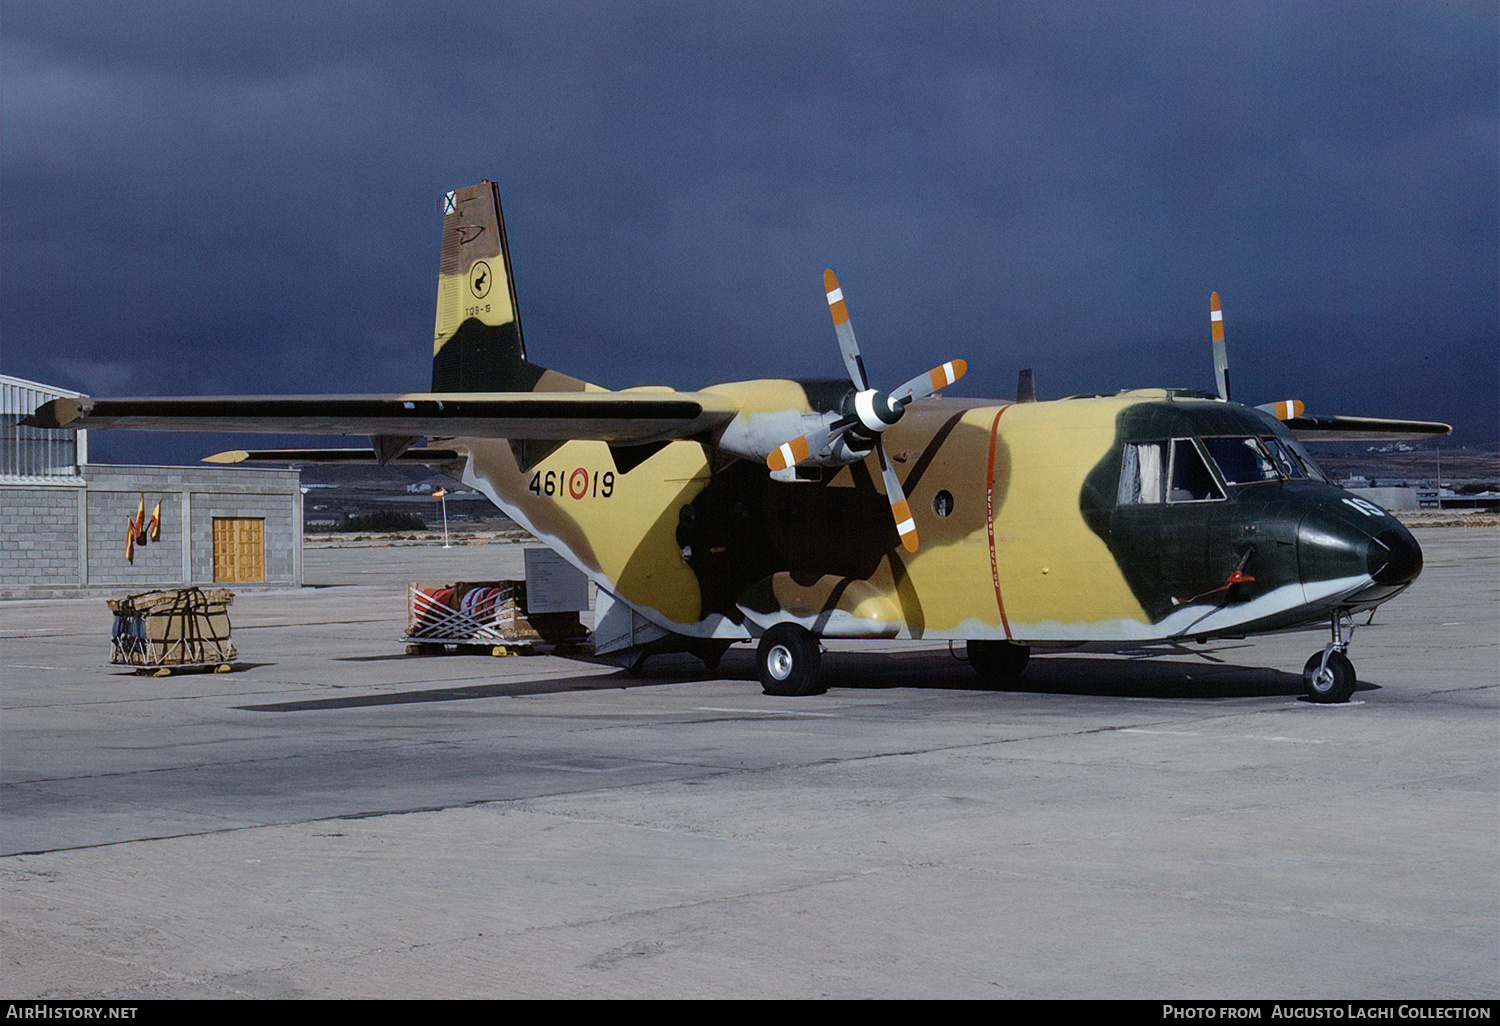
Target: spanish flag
{"x": 155, "y": 529}
{"x": 130, "y": 541}
{"x": 140, "y": 522}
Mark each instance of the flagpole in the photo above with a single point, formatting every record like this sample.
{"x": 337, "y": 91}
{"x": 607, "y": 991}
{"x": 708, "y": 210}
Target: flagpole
{"x": 442, "y": 494}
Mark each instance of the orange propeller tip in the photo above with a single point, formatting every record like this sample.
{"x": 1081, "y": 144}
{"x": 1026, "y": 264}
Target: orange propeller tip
{"x": 943, "y": 376}
{"x": 906, "y": 527}
{"x": 788, "y": 453}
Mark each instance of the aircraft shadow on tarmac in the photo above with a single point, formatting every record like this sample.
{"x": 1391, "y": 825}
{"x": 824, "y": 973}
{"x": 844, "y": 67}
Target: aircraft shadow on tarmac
{"x": 1067, "y": 675}
{"x": 467, "y": 692}
{"x": 1129, "y": 674}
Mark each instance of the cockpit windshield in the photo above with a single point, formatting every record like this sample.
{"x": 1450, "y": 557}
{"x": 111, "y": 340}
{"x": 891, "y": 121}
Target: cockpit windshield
{"x": 1242, "y": 460}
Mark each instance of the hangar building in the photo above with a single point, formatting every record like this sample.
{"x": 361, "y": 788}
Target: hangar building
{"x": 63, "y": 520}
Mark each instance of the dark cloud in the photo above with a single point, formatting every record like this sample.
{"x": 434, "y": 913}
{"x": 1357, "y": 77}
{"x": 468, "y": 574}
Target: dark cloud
{"x": 243, "y": 198}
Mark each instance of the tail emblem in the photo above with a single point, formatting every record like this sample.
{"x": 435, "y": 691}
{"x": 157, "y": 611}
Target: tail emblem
{"x": 479, "y": 279}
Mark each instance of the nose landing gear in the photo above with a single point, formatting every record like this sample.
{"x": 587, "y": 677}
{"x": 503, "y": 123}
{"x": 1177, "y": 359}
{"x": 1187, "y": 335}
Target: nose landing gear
{"x": 1329, "y": 676}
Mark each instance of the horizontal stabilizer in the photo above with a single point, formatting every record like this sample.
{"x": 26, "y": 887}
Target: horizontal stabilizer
{"x": 418, "y": 457}
{"x": 1363, "y": 429}
{"x": 559, "y": 416}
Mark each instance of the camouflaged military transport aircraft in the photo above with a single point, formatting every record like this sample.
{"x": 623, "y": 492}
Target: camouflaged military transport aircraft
{"x": 790, "y": 511}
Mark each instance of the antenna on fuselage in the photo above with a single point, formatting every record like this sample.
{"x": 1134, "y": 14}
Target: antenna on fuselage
{"x": 1025, "y": 387}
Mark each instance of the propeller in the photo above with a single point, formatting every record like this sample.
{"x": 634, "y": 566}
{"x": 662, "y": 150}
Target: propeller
{"x": 866, "y": 415}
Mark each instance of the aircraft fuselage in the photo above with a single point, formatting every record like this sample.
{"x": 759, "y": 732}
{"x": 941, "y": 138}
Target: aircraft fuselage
{"x": 1105, "y": 519}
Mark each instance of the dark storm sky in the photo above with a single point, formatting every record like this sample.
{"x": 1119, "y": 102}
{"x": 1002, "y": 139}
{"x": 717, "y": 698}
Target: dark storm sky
{"x": 244, "y": 198}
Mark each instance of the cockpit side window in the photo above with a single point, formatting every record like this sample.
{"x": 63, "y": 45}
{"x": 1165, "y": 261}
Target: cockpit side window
{"x": 1156, "y": 472}
{"x": 1191, "y": 479}
{"x": 1241, "y": 460}
{"x": 1141, "y": 466}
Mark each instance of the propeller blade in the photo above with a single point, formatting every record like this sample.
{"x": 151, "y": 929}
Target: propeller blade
{"x": 1283, "y": 409}
{"x": 789, "y": 454}
{"x": 906, "y": 527}
{"x": 845, "y": 331}
{"x": 1221, "y": 355}
{"x": 930, "y": 383}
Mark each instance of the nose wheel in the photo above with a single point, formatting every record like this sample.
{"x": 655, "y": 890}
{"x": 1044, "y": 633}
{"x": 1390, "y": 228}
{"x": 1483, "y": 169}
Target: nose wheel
{"x": 1329, "y": 676}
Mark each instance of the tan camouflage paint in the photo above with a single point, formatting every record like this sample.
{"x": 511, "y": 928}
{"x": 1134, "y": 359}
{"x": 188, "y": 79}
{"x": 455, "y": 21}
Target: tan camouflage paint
{"x": 1050, "y": 567}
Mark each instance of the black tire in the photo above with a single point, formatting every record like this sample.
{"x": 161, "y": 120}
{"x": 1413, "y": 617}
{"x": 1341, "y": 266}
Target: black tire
{"x": 998, "y": 660}
{"x": 1333, "y": 685}
{"x": 788, "y": 660}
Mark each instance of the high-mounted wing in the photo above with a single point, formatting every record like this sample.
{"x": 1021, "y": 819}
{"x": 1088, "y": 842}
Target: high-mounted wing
{"x": 420, "y": 456}
{"x": 555, "y": 416}
{"x": 1363, "y": 429}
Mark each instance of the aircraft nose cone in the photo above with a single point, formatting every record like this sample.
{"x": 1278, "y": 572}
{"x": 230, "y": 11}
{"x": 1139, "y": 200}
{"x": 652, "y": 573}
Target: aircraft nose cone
{"x": 1394, "y": 557}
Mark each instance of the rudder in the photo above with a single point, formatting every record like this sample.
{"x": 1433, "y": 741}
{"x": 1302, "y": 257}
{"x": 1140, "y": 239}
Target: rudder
{"x": 477, "y": 345}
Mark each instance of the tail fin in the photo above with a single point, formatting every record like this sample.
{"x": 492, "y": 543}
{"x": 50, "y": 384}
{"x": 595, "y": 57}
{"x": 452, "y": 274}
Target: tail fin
{"x": 477, "y": 346}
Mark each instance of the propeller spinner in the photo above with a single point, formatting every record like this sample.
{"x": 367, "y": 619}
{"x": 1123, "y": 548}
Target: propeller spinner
{"x": 867, "y": 415}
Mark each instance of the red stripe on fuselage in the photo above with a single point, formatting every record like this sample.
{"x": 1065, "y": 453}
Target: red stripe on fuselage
{"x": 989, "y": 516}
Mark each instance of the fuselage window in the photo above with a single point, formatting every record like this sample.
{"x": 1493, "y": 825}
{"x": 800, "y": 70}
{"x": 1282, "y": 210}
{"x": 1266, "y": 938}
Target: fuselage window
{"x": 1241, "y": 460}
{"x": 1191, "y": 479}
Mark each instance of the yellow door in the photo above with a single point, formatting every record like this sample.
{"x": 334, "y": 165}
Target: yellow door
{"x": 239, "y": 548}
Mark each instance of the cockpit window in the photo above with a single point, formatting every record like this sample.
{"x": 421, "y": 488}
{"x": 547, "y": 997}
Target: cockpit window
{"x": 1141, "y": 473}
{"x": 1287, "y": 463}
{"x": 1308, "y": 466}
{"x": 1154, "y": 472}
{"x": 1191, "y": 479}
{"x": 1242, "y": 460}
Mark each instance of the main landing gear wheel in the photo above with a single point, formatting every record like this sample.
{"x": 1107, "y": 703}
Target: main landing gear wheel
{"x": 1331, "y": 683}
{"x": 787, "y": 660}
{"x": 998, "y": 660}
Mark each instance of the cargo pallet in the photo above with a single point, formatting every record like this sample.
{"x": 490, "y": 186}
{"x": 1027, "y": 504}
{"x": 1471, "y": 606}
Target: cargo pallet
{"x": 157, "y": 633}
{"x": 484, "y": 618}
